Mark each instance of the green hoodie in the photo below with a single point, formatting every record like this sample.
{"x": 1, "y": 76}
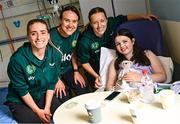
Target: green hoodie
{"x": 66, "y": 45}
{"x": 28, "y": 74}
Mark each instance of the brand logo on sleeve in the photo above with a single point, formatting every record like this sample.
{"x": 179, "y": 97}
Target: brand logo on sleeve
{"x": 30, "y": 69}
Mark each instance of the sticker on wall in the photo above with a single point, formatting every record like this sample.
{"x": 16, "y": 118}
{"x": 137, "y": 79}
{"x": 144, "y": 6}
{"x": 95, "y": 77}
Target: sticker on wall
{"x": 17, "y": 23}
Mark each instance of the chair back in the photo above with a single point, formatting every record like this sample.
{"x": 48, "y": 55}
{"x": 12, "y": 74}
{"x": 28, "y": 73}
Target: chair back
{"x": 147, "y": 33}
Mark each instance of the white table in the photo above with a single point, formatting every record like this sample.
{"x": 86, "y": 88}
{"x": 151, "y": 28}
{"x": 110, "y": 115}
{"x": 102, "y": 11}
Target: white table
{"x": 115, "y": 111}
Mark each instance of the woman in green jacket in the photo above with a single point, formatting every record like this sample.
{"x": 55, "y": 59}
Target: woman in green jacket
{"x": 64, "y": 38}
{"x": 33, "y": 74}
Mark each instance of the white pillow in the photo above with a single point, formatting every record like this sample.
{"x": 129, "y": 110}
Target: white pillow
{"x": 168, "y": 66}
{"x": 108, "y": 54}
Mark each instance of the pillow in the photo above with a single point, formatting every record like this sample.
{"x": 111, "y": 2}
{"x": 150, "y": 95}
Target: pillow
{"x": 168, "y": 66}
{"x": 108, "y": 54}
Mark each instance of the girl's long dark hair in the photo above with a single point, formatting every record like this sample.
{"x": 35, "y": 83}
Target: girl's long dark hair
{"x": 138, "y": 52}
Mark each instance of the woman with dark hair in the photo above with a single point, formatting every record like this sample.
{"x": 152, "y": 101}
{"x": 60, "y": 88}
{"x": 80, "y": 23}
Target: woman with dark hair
{"x": 33, "y": 73}
{"x": 127, "y": 49}
{"x": 99, "y": 34}
{"x": 64, "y": 38}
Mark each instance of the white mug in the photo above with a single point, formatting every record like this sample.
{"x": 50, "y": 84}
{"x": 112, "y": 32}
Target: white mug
{"x": 94, "y": 111}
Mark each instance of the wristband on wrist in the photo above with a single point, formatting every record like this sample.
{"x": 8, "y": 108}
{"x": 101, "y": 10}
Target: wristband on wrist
{"x": 75, "y": 70}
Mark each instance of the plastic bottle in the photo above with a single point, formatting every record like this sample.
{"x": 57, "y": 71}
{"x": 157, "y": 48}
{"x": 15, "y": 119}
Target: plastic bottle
{"x": 147, "y": 88}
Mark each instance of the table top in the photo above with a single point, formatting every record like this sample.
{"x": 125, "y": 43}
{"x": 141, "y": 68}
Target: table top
{"x": 115, "y": 111}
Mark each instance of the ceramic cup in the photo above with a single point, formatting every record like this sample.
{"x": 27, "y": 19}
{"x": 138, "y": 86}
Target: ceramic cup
{"x": 94, "y": 111}
{"x": 134, "y": 108}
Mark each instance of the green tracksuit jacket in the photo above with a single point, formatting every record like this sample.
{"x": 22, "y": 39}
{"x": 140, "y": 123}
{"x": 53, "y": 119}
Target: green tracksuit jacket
{"x": 29, "y": 74}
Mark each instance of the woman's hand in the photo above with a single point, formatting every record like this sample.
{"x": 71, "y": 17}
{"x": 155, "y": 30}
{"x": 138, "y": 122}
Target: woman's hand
{"x": 60, "y": 89}
{"x": 149, "y": 17}
{"x": 44, "y": 115}
{"x": 78, "y": 78}
{"x": 137, "y": 17}
{"x": 98, "y": 83}
{"x": 48, "y": 114}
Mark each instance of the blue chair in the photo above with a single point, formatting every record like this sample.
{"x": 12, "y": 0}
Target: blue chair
{"x": 147, "y": 33}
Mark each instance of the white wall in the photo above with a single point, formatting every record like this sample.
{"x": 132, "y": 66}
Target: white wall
{"x": 87, "y": 5}
{"x": 126, "y": 7}
{"x": 171, "y": 33}
{"x": 6, "y": 53}
{"x": 24, "y": 10}
{"x": 15, "y": 32}
{"x": 123, "y": 7}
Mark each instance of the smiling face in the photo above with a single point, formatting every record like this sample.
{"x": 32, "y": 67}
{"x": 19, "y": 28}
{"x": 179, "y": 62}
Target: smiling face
{"x": 68, "y": 23}
{"x": 98, "y": 22}
{"x": 38, "y": 36}
{"x": 124, "y": 45}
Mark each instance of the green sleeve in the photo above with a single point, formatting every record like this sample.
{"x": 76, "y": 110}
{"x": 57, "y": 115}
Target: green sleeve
{"x": 114, "y": 22}
{"x": 83, "y": 50}
{"x": 52, "y": 84}
{"x": 118, "y": 19}
{"x": 17, "y": 79}
{"x": 57, "y": 57}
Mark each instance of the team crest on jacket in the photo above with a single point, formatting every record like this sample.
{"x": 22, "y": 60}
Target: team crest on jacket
{"x": 30, "y": 69}
{"x": 74, "y": 43}
{"x": 95, "y": 45}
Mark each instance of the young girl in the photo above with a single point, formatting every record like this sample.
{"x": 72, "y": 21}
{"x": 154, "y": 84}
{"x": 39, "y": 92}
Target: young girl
{"x": 127, "y": 49}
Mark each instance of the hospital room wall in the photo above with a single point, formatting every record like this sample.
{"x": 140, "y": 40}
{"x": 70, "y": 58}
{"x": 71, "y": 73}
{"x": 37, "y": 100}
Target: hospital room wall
{"x": 16, "y": 32}
{"x": 170, "y": 23}
{"x": 170, "y": 30}
{"x": 5, "y": 49}
{"x": 171, "y": 33}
